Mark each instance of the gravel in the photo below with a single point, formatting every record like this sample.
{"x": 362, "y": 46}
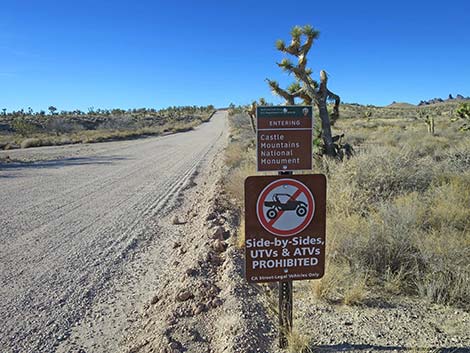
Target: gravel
{"x": 83, "y": 234}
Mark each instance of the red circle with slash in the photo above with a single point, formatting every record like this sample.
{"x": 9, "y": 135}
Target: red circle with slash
{"x": 285, "y": 207}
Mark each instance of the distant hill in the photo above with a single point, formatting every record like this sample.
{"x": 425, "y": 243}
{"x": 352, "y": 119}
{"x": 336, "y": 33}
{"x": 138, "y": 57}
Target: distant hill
{"x": 451, "y": 98}
{"x": 400, "y": 105}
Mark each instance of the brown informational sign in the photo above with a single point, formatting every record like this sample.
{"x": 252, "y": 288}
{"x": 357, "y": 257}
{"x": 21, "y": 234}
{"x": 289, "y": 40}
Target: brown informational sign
{"x": 285, "y": 220}
{"x": 284, "y": 138}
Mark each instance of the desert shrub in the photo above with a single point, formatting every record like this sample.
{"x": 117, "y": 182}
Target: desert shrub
{"x": 356, "y": 292}
{"x": 298, "y": 342}
{"x": 239, "y": 121}
{"x": 446, "y": 278}
{"x": 31, "y": 142}
{"x": 450, "y": 203}
{"x": 118, "y": 123}
{"x": 458, "y": 158}
{"x": 398, "y": 211}
{"x": 389, "y": 244}
{"x": 23, "y": 127}
{"x": 373, "y": 176}
{"x": 235, "y": 181}
{"x": 416, "y": 243}
{"x": 234, "y": 155}
{"x": 329, "y": 286}
{"x": 62, "y": 126}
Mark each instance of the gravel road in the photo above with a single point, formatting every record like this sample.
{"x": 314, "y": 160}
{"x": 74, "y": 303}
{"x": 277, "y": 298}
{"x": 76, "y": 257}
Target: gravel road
{"x": 72, "y": 220}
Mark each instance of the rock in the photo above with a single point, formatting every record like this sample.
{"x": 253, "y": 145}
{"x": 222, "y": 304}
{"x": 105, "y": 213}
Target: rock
{"x": 184, "y": 295}
{"x": 213, "y": 290}
{"x": 177, "y": 221}
{"x": 155, "y": 300}
{"x": 216, "y": 302}
{"x": 191, "y": 272}
{"x": 214, "y": 260}
{"x": 201, "y": 307}
{"x": 195, "y": 335}
{"x": 211, "y": 216}
{"x": 219, "y": 233}
{"x": 172, "y": 321}
{"x": 219, "y": 246}
{"x": 174, "y": 345}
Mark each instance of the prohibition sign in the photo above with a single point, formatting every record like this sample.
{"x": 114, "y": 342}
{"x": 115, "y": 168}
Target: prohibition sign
{"x": 285, "y": 207}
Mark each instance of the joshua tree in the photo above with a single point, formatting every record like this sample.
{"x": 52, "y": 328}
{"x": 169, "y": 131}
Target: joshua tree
{"x": 463, "y": 113}
{"x": 428, "y": 120}
{"x": 368, "y": 114}
{"x": 252, "y": 113}
{"x": 304, "y": 87}
{"x": 52, "y": 109}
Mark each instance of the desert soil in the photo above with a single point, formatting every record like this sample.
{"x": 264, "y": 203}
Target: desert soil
{"x": 88, "y": 236}
{"x": 130, "y": 247}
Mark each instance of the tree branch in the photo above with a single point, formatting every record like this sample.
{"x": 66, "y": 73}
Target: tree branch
{"x": 289, "y": 98}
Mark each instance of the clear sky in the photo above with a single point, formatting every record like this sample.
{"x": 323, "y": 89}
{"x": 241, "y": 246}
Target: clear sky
{"x": 76, "y": 54}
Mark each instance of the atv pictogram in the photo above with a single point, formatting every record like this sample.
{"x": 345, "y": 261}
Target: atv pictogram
{"x": 277, "y": 205}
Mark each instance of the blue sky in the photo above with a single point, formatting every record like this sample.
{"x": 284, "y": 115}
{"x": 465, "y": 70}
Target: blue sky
{"x": 130, "y": 54}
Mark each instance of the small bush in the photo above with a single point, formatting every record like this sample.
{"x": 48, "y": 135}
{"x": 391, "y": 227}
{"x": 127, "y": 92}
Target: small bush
{"x": 235, "y": 181}
{"x": 328, "y": 287}
{"x": 356, "y": 293}
{"x": 31, "y": 142}
{"x": 23, "y": 127}
{"x": 298, "y": 342}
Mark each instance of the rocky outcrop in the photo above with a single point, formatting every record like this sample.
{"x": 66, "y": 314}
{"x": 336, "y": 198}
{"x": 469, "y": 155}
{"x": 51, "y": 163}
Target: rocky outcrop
{"x": 440, "y": 100}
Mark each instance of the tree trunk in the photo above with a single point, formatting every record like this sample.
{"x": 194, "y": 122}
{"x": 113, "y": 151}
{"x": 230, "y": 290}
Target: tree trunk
{"x": 326, "y": 129}
{"x": 252, "y": 120}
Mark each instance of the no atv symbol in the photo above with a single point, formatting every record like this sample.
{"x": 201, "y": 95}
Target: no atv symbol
{"x": 285, "y": 207}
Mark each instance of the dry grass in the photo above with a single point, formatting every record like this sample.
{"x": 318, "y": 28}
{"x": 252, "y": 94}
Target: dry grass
{"x": 398, "y": 211}
{"x": 356, "y": 292}
{"x": 327, "y": 288}
{"x": 239, "y": 159}
{"x": 298, "y": 342}
{"x": 113, "y": 130}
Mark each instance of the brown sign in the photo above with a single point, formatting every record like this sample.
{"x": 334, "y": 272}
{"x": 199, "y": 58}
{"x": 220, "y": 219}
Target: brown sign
{"x": 284, "y": 138}
{"x": 285, "y": 220}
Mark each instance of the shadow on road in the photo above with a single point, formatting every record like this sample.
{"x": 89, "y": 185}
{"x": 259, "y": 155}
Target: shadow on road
{"x": 57, "y": 163}
{"x": 377, "y": 348}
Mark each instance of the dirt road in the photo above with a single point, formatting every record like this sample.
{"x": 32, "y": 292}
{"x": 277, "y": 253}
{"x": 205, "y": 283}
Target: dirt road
{"x": 75, "y": 227}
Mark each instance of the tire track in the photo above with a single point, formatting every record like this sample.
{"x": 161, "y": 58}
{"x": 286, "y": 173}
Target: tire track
{"x": 78, "y": 225}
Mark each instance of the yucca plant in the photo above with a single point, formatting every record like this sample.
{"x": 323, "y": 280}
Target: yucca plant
{"x": 463, "y": 113}
{"x": 428, "y": 119}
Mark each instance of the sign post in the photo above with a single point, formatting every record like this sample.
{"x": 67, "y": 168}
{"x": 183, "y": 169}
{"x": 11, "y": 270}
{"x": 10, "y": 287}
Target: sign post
{"x": 286, "y": 305}
{"x": 285, "y": 215}
{"x": 285, "y": 221}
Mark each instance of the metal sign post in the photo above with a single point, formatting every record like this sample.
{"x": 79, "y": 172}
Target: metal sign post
{"x": 286, "y": 305}
{"x": 285, "y": 215}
